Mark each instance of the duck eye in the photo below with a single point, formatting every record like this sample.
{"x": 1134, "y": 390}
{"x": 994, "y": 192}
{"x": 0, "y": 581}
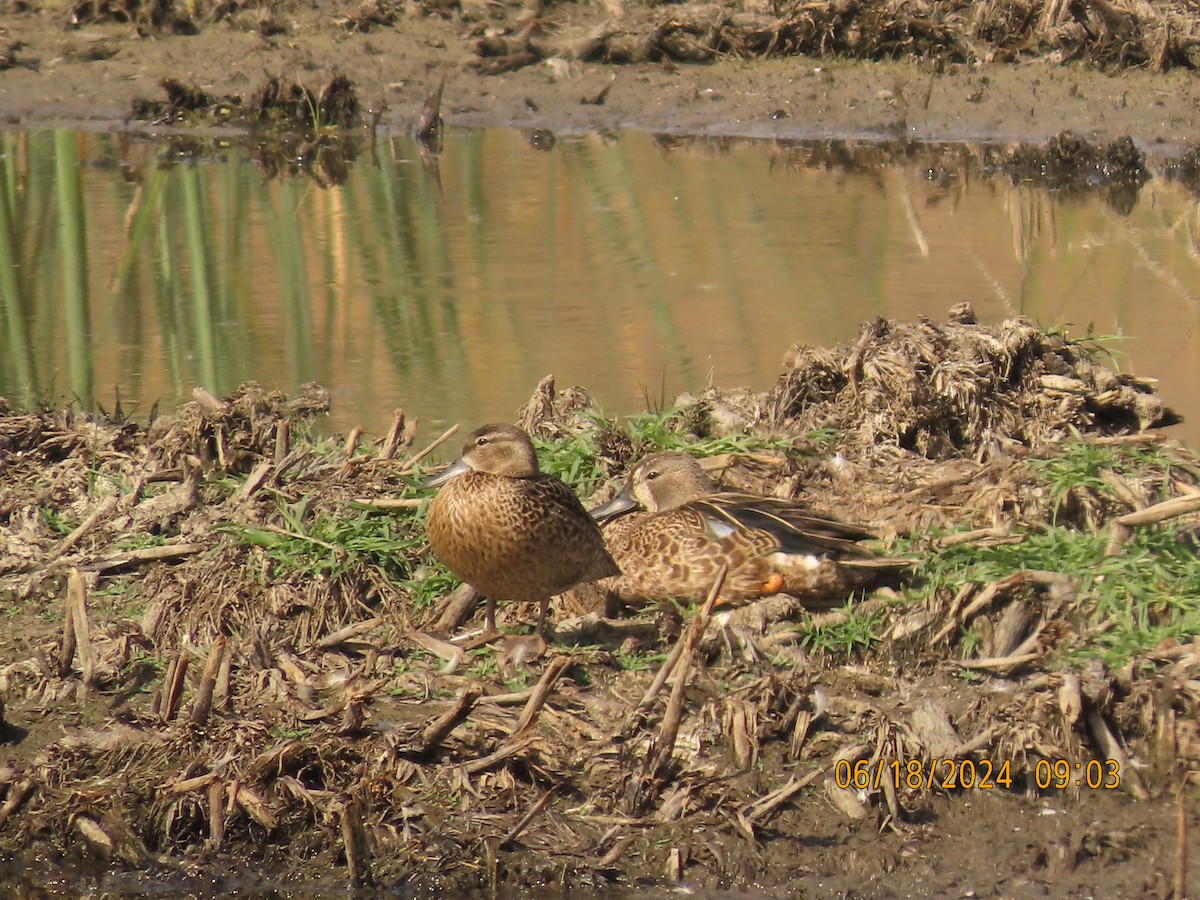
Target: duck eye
{"x": 481, "y": 441}
{"x": 652, "y": 474}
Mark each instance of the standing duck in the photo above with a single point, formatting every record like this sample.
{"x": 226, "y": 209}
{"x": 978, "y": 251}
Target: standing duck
{"x": 670, "y": 531}
{"x": 509, "y": 530}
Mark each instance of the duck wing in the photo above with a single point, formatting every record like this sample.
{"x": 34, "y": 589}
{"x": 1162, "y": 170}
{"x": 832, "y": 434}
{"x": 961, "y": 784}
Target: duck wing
{"x": 796, "y": 528}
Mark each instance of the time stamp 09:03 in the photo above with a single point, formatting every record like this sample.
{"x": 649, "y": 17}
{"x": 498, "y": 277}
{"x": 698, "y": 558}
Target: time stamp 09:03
{"x": 1048, "y": 774}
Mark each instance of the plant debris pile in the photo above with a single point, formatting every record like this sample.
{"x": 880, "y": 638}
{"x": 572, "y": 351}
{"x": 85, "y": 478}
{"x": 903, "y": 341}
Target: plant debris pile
{"x": 960, "y": 388}
{"x": 1067, "y": 162}
{"x": 291, "y": 104}
{"x": 227, "y": 648}
{"x": 149, "y": 16}
{"x": 1185, "y": 169}
{"x": 1071, "y": 165}
{"x": 278, "y": 103}
{"x": 292, "y": 129}
{"x": 1110, "y": 35}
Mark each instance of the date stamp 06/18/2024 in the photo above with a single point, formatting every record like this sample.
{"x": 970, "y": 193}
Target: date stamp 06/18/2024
{"x": 968, "y": 774}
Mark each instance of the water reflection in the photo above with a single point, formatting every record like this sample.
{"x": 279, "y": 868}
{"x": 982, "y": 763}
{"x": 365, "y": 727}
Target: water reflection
{"x": 633, "y": 266}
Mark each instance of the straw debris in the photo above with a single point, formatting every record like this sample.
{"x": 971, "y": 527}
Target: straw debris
{"x": 289, "y": 127}
{"x": 264, "y": 688}
{"x": 960, "y": 389}
{"x": 1111, "y": 35}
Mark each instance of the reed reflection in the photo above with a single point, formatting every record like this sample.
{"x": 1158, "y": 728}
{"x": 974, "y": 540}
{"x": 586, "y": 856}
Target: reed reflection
{"x": 635, "y": 266}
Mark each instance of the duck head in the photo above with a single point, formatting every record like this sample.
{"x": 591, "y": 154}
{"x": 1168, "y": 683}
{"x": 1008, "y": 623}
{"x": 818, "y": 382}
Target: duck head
{"x": 657, "y": 483}
{"x": 503, "y": 450}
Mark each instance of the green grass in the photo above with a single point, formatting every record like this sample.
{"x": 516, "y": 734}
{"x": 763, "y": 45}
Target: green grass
{"x": 518, "y": 680}
{"x": 484, "y": 663}
{"x": 638, "y": 662}
{"x": 140, "y": 540}
{"x": 576, "y": 460}
{"x": 856, "y": 634}
{"x": 54, "y": 521}
{"x": 12, "y": 606}
{"x": 1125, "y": 604}
{"x": 1082, "y": 465}
{"x": 52, "y": 613}
{"x": 96, "y": 475}
{"x": 318, "y": 543}
{"x": 1095, "y": 346}
{"x": 429, "y": 585}
{"x": 280, "y": 733}
{"x": 687, "y": 429}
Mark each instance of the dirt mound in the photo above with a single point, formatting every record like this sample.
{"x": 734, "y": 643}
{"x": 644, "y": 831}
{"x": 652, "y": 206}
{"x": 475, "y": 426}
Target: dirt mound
{"x": 220, "y": 655}
{"x": 960, "y": 389}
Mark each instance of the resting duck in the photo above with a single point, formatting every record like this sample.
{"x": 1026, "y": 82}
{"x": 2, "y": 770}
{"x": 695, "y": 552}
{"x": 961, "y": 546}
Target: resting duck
{"x": 670, "y": 531}
{"x": 509, "y": 530}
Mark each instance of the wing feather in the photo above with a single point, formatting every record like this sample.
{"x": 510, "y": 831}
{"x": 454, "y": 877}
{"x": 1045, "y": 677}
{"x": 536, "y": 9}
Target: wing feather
{"x": 797, "y": 529}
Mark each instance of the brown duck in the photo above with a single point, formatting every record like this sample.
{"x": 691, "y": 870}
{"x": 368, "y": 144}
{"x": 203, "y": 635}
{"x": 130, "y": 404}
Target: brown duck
{"x": 509, "y": 530}
{"x": 670, "y": 531}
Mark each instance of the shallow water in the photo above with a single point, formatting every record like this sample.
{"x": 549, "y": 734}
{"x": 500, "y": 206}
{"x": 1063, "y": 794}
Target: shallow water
{"x": 634, "y": 266}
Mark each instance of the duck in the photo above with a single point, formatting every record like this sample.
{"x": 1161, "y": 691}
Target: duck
{"x": 670, "y": 531}
{"x": 509, "y": 530}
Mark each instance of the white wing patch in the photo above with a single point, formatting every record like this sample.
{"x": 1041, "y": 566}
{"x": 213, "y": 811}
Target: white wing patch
{"x": 717, "y": 529}
{"x": 810, "y": 562}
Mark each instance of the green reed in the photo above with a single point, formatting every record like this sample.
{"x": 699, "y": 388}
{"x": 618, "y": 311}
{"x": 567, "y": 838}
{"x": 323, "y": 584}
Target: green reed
{"x": 20, "y": 352}
{"x": 73, "y": 245}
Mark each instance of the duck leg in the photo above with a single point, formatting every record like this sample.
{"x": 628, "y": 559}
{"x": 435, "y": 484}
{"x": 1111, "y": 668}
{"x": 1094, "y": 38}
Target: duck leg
{"x": 543, "y": 608}
{"x": 490, "y": 617}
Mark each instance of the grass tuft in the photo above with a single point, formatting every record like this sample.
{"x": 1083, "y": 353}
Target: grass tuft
{"x": 314, "y": 543}
{"x": 856, "y": 634}
{"x": 1125, "y": 604}
{"x": 1082, "y": 466}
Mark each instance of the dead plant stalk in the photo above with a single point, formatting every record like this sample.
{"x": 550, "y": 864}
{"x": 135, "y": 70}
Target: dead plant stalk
{"x": 665, "y": 744}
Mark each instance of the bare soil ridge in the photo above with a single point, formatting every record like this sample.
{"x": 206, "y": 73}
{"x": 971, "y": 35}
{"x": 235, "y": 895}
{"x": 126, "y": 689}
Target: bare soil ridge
{"x": 933, "y": 71}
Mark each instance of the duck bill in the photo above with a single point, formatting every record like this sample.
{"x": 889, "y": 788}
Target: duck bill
{"x": 618, "y": 505}
{"x": 458, "y": 467}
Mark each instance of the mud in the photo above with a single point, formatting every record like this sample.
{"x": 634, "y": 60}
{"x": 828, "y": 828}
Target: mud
{"x": 223, "y": 668}
{"x": 90, "y": 65}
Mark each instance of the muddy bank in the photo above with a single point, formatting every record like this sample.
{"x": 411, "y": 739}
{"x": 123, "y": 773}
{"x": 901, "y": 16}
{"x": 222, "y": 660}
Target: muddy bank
{"x": 963, "y": 72}
{"x": 227, "y": 649}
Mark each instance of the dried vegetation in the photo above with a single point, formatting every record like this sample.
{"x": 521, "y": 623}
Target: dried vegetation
{"x": 290, "y": 128}
{"x": 956, "y": 388}
{"x": 234, "y": 619}
{"x": 1109, "y": 33}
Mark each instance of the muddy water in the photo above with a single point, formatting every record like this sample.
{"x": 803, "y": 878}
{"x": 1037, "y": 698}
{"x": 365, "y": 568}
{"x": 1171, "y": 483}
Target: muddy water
{"x": 635, "y": 266}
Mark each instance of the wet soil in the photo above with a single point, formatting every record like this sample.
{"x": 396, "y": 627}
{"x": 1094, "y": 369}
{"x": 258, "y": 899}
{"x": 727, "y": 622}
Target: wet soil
{"x": 91, "y": 63}
{"x": 222, "y": 666}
